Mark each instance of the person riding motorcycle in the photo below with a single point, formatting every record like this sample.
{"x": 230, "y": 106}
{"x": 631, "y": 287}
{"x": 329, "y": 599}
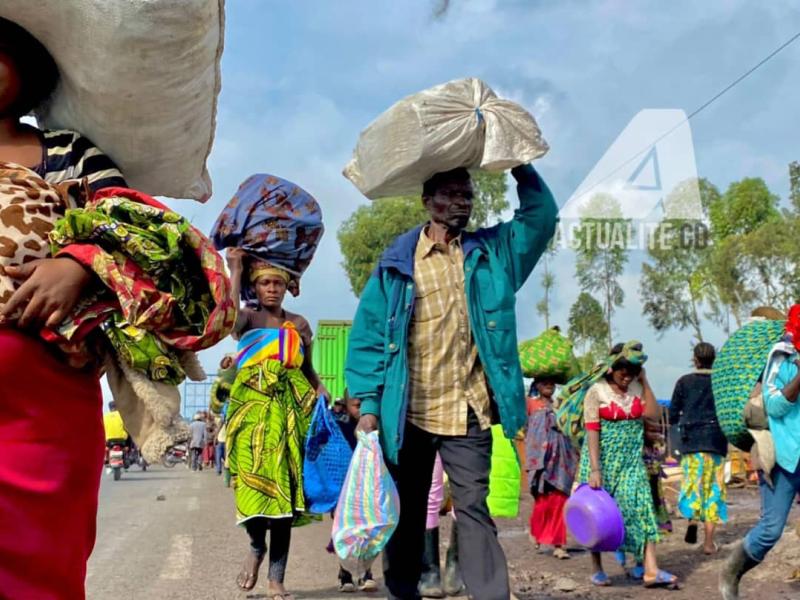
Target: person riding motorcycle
{"x": 116, "y": 434}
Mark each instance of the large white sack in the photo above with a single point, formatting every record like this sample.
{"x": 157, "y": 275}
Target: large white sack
{"x": 461, "y": 123}
{"x": 140, "y": 78}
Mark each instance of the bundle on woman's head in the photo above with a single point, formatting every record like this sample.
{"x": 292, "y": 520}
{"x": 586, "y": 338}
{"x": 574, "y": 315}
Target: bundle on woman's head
{"x": 629, "y": 356}
{"x": 277, "y": 223}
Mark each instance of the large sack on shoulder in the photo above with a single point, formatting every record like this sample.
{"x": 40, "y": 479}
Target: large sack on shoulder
{"x": 140, "y": 78}
{"x": 549, "y": 355}
{"x": 461, "y": 123}
{"x": 738, "y": 366}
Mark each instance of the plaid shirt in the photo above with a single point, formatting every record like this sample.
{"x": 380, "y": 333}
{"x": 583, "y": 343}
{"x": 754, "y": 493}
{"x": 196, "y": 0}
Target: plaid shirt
{"x": 446, "y": 377}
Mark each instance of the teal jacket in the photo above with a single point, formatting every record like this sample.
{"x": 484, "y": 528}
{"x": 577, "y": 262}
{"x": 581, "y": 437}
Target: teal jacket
{"x": 497, "y": 261}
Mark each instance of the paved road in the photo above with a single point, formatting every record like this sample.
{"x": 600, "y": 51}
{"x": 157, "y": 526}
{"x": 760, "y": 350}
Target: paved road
{"x": 187, "y": 545}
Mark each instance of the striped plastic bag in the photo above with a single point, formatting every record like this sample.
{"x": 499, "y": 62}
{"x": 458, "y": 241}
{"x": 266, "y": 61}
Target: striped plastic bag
{"x": 369, "y": 506}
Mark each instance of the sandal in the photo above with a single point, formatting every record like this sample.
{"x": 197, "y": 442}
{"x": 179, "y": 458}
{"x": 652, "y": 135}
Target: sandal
{"x": 691, "y": 534}
{"x": 561, "y": 554}
{"x": 247, "y": 580}
{"x": 663, "y": 579}
{"x": 636, "y": 573}
{"x": 600, "y": 579}
{"x": 620, "y": 557}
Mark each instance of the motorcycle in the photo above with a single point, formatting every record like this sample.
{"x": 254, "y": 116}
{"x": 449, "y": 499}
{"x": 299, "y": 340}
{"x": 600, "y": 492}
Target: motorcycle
{"x": 116, "y": 459}
{"x": 134, "y": 457}
{"x": 174, "y": 455}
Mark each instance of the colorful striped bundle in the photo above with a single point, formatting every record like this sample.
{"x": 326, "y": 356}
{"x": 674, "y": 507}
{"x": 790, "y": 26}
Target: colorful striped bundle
{"x": 369, "y": 506}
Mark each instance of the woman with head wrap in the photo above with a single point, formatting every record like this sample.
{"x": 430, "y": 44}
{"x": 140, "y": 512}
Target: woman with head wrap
{"x": 614, "y": 410}
{"x": 61, "y": 310}
{"x": 268, "y": 417}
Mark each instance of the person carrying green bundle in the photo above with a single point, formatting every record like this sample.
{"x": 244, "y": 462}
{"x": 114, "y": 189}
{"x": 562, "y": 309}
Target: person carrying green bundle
{"x": 614, "y": 408}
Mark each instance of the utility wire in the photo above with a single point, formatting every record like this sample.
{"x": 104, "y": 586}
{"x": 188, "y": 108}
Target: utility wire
{"x": 702, "y": 107}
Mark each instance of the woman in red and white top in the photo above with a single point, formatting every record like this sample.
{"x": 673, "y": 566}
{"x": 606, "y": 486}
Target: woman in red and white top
{"x": 614, "y": 411}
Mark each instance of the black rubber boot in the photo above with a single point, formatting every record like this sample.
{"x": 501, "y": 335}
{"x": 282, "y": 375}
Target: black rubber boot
{"x": 738, "y": 564}
{"x": 453, "y": 584}
{"x": 430, "y": 582}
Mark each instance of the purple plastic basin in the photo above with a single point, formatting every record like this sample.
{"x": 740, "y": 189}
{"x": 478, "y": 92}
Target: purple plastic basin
{"x": 594, "y": 520}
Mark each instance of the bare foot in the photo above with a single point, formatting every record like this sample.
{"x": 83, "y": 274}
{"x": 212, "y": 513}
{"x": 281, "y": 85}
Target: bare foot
{"x": 248, "y": 576}
{"x": 710, "y": 551}
{"x": 277, "y": 591}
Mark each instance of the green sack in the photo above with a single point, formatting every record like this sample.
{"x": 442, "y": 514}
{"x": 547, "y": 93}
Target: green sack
{"x": 548, "y": 355}
{"x": 738, "y": 366}
{"x": 504, "y": 477}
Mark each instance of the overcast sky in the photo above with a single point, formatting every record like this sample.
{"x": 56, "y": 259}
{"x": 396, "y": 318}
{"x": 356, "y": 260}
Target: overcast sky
{"x": 302, "y": 79}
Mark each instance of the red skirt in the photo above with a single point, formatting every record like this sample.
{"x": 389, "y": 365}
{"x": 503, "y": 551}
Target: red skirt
{"x": 51, "y": 458}
{"x": 547, "y": 519}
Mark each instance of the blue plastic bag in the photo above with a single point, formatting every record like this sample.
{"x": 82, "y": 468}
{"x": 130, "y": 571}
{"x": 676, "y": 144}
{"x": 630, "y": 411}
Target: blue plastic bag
{"x": 326, "y": 461}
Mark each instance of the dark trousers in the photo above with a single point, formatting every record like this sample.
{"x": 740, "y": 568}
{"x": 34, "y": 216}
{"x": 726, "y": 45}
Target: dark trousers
{"x": 197, "y": 459}
{"x": 279, "y": 540}
{"x": 466, "y": 460}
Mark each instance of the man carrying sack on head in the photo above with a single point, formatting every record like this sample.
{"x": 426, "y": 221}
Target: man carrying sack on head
{"x": 433, "y": 359}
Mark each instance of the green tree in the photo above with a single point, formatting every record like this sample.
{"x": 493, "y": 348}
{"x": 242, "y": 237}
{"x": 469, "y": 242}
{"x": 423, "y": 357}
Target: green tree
{"x": 588, "y": 329}
{"x": 675, "y": 285}
{"x": 738, "y": 266}
{"x": 794, "y": 185}
{"x": 767, "y": 261}
{"x": 744, "y": 206}
{"x": 602, "y": 253}
{"x": 371, "y": 228}
{"x": 547, "y": 282}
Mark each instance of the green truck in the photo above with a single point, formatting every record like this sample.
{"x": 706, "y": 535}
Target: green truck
{"x": 329, "y": 354}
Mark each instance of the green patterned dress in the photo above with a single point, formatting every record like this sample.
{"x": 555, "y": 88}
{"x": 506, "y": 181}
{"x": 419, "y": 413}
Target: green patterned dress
{"x": 268, "y": 417}
{"x": 624, "y": 474}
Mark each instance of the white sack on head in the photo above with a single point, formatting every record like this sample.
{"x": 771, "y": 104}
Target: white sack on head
{"x": 457, "y": 124}
{"x": 140, "y": 78}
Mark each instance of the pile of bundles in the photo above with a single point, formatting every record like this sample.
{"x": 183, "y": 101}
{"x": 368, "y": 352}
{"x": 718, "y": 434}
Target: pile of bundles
{"x": 140, "y": 78}
{"x": 549, "y": 355}
{"x": 274, "y": 221}
{"x": 461, "y": 123}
